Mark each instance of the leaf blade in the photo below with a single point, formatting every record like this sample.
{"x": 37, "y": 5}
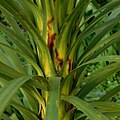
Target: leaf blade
{"x": 9, "y": 90}
{"x": 86, "y": 108}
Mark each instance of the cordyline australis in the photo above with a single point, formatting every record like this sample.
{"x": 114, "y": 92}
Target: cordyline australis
{"x": 46, "y": 54}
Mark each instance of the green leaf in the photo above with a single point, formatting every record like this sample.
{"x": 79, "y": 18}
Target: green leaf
{"x": 33, "y": 92}
{"x": 10, "y": 57}
{"x": 68, "y": 114}
{"x": 66, "y": 31}
{"x": 18, "y": 40}
{"x": 112, "y": 58}
{"x": 29, "y": 101}
{"x": 20, "y": 13}
{"x": 97, "y": 77}
{"x": 91, "y": 27}
{"x": 110, "y": 109}
{"x": 6, "y": 70}
{"x": 14, "y": 117}
{"x": 26, "y": 113}
{"x": 68, "y": 79}
{"x": 107, "y": 106}
{"x": 53, "y": 99}
{"x": 109, "y": 94}
{"x": 25, "y": 56}
{"x": 95, "y": 48}
{"x": 60, "y": 7}
{"x": 10, "y": 89}
{"x": 86, "y": 108}
{"x": 40, "y": 83}
{"x": 2, "y": 82}
{"x": 5, "y": 117}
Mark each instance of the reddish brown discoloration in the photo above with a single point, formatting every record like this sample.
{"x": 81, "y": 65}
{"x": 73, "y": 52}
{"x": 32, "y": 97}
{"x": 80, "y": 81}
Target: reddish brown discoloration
{"x": 53, "y": 36}
{"x": 50, "y": 22}
{"x": 56, "y": 52}
{"x": 51, "y": 39}
{"x": 58, "y": 60}
{"x": 68, "y": 106}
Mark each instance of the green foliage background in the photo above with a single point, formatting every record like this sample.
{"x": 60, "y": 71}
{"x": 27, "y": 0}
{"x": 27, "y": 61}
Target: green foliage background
{"x": 60, "y": 60}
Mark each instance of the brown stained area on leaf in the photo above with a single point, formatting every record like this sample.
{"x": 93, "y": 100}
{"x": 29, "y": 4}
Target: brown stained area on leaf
{"x": 50, "y": 22}
{"x": 68, "y": 107}
{"x": 51, "y": 34}
{"x": 58, "y": 60}
{"x": 69, "y": 64}
{"x": 51, "y": 40}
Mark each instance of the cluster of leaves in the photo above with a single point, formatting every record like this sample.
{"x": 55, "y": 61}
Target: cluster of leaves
{"x": 54, "y": 55}
{"x": 114, "y": 80}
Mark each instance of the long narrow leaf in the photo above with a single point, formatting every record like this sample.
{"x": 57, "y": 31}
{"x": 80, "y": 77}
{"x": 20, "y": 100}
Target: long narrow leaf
{"x": 6, "y": 70}
{"x": 9, "y": 90}
{"x": 97, "y": 77}
{"x": 26, "y": 113}
{"x": 24, "y": 55}
{"x": 109, "y": 94}
{"x": 86, "y": 108}
{"x": 53, "y": 99}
